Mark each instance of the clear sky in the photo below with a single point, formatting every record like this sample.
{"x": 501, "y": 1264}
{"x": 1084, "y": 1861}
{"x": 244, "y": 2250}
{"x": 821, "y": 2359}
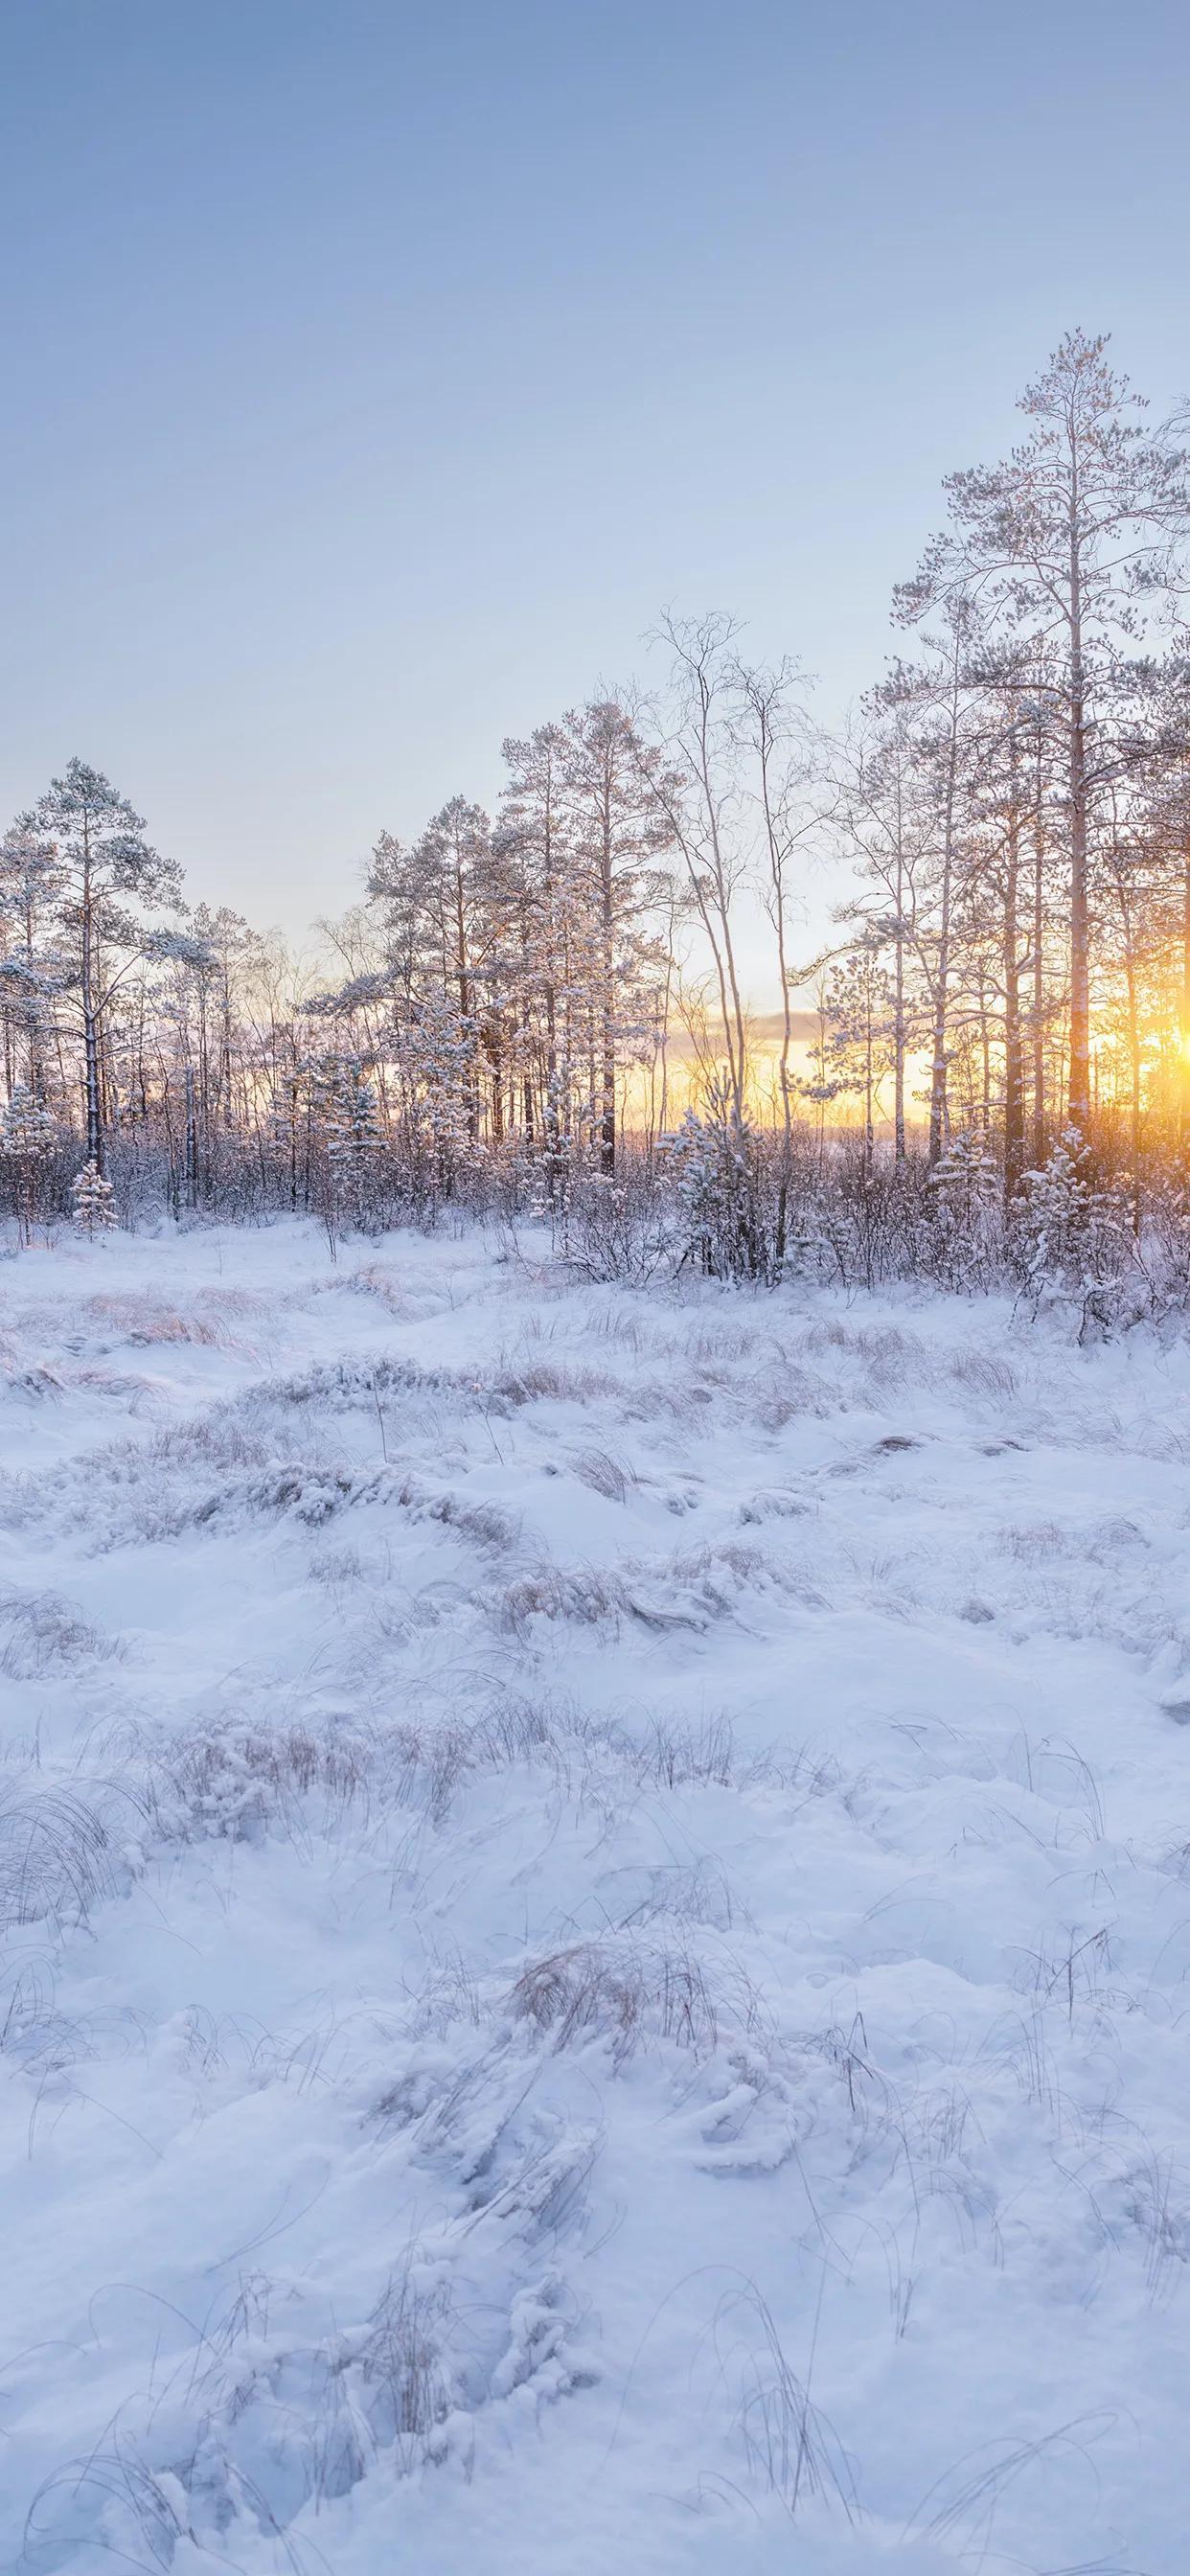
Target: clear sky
{"x": 375, "y": 373}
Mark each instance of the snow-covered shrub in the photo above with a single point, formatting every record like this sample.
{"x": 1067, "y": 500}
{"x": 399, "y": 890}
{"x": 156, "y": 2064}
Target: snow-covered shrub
{"x": 1166, "y": 1247}
{"x": 617, "y": 1226}
{"x": 623, "y": 1991}
{"x": 717, "y": 1172}
{"x": 44, "y": 1633}
{"x": 1073, "y": 1241}
{"x": 874, "y": 1218}
{"x": 964, "y": 1191}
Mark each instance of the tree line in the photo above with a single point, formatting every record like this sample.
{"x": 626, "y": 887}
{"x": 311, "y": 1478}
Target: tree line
{"x": 550, "y": 1001}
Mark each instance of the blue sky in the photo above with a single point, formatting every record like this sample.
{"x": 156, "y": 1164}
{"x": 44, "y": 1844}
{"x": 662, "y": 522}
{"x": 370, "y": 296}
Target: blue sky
{"x": 375, "y": 374}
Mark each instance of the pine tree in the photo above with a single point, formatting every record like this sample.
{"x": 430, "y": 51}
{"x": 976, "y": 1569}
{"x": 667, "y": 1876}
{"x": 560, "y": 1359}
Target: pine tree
{"x": 27, "y": 1138}
{"x": 861, "y": 1010}
{"x": 353, "y": 1139}
{"x": 532, "y": 836}
{"x": 618, "y": 832}
{"x": 886, "y": 816}
{"x": 94, "y": 1200}
{"x": 1063, "y": 544}
{"x": 963, "y": 1180}
{"x": 97, "y": 843}
{"x": 27, "y": 1129}
{"x": 32, "y": 963}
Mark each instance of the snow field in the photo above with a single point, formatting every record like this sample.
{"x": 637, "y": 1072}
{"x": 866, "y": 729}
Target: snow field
{"x": 596, "y": 1923}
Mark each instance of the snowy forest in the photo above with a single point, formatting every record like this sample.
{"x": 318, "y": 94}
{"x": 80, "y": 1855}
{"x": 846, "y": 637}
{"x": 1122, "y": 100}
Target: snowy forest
{"x": 594, "y": 1633}
{"x": 983, "y": 1072}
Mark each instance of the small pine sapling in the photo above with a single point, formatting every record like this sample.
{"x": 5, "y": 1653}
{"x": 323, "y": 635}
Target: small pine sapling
{"x": 94, "y": 1200}
{"x": 965, "y": 1202}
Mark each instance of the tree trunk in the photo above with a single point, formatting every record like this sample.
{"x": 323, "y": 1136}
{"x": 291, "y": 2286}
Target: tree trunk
{"x": 94, "y": 1117}
{"x": 942, "y": 971}
{"x": 899, "y": 1015}
{"x": 36, "y": 1066}
{"x": 1134, "y": 1061}
{"x": 607, "y": 1122}
{"x": 869, "y": 1087}
{"x": 1014, "y": 1087}
{"x": 191, "y": 1141}
{"x": 1080, "y": 993}
{"x": 463, "y": 979}
{"x": 1038, "y": 1011}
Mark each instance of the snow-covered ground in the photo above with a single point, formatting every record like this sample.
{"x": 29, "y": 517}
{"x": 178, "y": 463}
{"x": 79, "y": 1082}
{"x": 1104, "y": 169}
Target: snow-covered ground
{"x": 597, "y": 1924}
